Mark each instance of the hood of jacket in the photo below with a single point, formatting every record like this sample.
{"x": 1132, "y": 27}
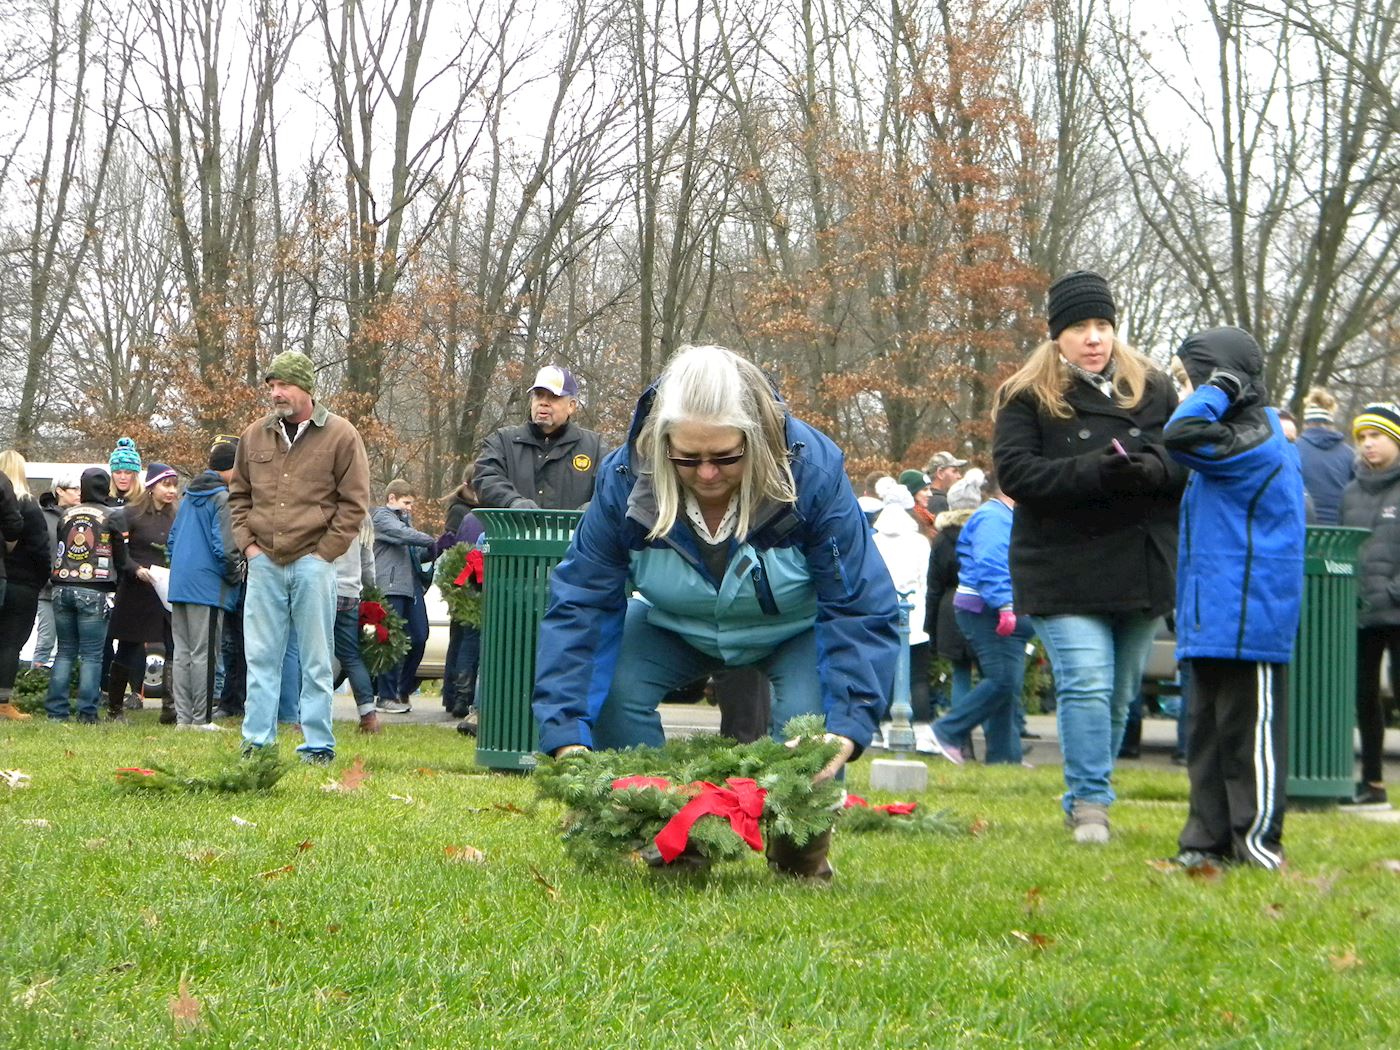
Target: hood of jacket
{"x": 1375, "y": 480}
{"x": 202, "y": 486}
{"x": 1233, "y": 350}
{"x": 895, "y": 521}
{"x": 949, "y": 518}
{"x": 95, "y": 486}
{"x": 1321, "y": 437}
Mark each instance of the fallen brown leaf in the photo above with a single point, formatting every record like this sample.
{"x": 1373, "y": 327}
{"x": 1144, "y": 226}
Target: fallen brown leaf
{"x": 272, "y": 873}
{"x": 207, "y": 855}
{"x": 979, "y": 825}
{"x": 1033, "y": 900}
{"x": 150, "y": 918}
{"x": 424, "y": 771}
{"x": 1346, "y": 961}
{"x": 550, "y": 890}
{"x": 353, "y": 777}
{"x": 508, "y": 807}
{"x": 1273, "y": 911}
{"x": 1164, "y": 864}
{"x": 464, "y": 854}
{"x": 185, "y": 1008}
{"x": 122, "y": 967}
{"x": 1038, "y": 941}
{"x": 34, "y": 992}
{"x": 1206, "y": 872}
{"x": 333, "y": 927}
{"x": 304, "y": 845}
{"x": 95, "y": 843}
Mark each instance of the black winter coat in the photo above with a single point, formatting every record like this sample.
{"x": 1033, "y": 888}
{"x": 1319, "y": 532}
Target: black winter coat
{"x": 518, "y": 468}
{"x": 940, "y": 620}
{"x": 1081, "y": 544}
{"x": 1372, "y": 501}
{"x": 32, "y": 559}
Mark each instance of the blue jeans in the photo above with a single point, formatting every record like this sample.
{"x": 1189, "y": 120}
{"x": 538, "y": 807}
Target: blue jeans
{"x": 289, "y": 689}
{"x": 463, "y": 660}
{"x": 398, "y": 683}
{"x": 992, "y": 704}
{"x": 347, "y": 651}
{"x": 1098, "y": 663}
{"x": 80, "y": 621}
{"x": 280, "y": 596}
{"x": 653, "y": 661}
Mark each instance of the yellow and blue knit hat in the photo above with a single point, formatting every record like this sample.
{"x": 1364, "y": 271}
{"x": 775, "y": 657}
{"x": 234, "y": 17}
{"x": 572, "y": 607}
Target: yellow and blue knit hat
{"x": 1383, "y": 416}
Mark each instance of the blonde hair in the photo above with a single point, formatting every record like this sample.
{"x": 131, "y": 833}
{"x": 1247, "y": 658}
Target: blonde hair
{"x": 1047, "y": 379}
{"x": 138, "y": 486}
{"x": 1320, "y": 397}
{"x": 715, "y": 386}
{"x": 14, "y": 467}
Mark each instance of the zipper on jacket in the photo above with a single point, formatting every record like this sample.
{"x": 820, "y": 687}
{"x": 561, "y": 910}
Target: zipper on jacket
{"x": 840, "y": 569}
{"x": 1249, "y": 556}
{"x": 763, "y": 587}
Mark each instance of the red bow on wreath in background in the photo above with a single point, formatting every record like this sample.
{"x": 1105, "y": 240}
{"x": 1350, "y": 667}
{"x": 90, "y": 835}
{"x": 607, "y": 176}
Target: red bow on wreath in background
{"x": 372, "y": 614}
{"x": 474, "y": 569}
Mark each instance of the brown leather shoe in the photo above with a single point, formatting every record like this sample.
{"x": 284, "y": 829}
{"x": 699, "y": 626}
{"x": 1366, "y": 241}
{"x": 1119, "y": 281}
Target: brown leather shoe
{"x": 370, "y": 723}
{"x": 13, "y": 713}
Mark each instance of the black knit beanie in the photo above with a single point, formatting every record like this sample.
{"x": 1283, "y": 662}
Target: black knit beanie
{"x": 1079, "y": 296}
{"x": 222, "y": 452}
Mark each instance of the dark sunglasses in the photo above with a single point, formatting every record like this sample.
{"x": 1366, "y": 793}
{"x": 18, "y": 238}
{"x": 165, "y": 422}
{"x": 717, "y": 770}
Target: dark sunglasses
{"x": 717, "y": 461}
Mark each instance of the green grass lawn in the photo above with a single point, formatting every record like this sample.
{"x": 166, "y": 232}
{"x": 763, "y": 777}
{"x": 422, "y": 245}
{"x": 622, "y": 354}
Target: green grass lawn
{"x": 340, "y": 919}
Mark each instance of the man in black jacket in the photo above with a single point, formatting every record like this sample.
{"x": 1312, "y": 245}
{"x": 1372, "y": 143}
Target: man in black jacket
{"x": 546, "y": 463}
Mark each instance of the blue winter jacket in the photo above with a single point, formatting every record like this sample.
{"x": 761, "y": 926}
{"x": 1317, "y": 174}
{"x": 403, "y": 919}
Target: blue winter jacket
{"x": 206, "y": 566}
{"x": 984, "y": 554}
{"x": 1239, "y": 581}
{"x": 1328, "y": 464}
{"x": 809, "y": 564}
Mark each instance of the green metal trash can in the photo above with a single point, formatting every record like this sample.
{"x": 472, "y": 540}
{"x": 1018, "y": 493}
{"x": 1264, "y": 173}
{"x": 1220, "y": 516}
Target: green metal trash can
{"x": 522, "y": 548}
{"x": 1322, "y": 677}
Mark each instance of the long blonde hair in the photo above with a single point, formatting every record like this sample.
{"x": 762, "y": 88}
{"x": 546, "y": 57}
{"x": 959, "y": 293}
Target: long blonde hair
{"x": 717, "y": 387}
{"x": 1047, "y": 379}
{"x": 14, "y": 467}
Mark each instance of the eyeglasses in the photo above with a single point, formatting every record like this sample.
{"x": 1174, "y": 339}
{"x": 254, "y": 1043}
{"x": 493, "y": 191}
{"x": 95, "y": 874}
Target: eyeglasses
{"x": 716, "y": 461}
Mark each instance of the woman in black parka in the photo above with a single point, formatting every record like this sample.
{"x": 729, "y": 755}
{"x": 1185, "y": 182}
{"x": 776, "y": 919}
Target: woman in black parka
{"x": 1078, "y": 446}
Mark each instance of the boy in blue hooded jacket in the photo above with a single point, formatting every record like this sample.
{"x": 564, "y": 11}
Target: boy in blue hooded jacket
{"x": 1239, "y": 593}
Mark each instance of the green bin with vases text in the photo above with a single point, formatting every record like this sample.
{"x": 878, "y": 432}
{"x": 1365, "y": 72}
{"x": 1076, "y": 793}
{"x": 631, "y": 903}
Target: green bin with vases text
{"x": 521, "y": 549}
{"x": 1322, "y": 677}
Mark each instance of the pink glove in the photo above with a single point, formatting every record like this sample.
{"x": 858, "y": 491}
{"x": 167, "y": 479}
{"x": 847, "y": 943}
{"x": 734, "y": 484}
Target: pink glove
{"x": 1006, "y": 623}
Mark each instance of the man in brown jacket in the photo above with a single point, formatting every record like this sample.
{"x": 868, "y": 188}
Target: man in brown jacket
{"x": 299, "y": 495}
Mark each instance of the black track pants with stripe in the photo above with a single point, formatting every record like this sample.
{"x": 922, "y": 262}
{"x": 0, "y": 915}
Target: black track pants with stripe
{"x": 1237, "y": 760}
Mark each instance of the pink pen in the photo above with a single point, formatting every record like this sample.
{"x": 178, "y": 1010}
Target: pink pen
{"x": 1119, "y": 449}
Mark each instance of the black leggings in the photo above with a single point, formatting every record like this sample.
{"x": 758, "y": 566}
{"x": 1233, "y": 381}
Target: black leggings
{"x": 17, "y": 611}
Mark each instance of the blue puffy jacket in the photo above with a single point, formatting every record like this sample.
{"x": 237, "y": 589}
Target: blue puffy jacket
{"x": 206, "y": 566}
{"x": 984, "y": 549}
{"x": 809, "y": 564}
{"x": 1239, "y": 581}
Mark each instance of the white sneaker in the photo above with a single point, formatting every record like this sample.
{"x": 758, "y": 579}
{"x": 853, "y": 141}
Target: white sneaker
{"x": 209, "y": 727}
{"x": 923, "y": 739}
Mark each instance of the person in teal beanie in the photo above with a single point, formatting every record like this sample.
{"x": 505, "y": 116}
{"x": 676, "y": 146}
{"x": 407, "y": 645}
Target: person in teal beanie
{"x": 124, "y": 464}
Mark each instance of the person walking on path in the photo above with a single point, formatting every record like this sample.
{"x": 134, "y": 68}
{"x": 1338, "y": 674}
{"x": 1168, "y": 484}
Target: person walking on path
{"x": 398, "y": 548}
{"x": 549, "y": 462}
{"x": 1328, "y": 461}
{"x": 983, "y": 607}
{"x": 1372, "y": 501}
{"x": 139, "y": 617}
{"x": 299, "y": 494}
{"x": 88, "y": 559}
{"x": 206, "y": 571}
{"x": 1239, "y": 595}
{"x": 27, "y": 566}
{"x": 1078, "y": 446}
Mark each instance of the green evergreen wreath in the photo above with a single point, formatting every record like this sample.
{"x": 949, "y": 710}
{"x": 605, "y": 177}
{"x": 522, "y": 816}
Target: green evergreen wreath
{"x": 383, "y": 633}
{"x": 464, "y": 599}
{"x": 608, "y": 823}
{"x": 257, "y": 772}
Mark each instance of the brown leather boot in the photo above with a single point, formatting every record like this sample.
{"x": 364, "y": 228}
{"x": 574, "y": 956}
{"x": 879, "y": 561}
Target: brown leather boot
{"x": 10, "y": 712}
{"x": 804, "y": 862}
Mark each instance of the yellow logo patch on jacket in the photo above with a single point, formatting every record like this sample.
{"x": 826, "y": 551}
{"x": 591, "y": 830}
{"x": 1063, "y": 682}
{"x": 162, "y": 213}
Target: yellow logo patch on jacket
{"x": 582, "y": 462}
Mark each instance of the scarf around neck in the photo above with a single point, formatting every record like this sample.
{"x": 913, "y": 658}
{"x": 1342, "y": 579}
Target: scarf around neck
{"x": 1100, "y": 381}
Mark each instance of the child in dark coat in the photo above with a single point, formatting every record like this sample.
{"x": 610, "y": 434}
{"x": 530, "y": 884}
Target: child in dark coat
{"x": 1239, "y": 593}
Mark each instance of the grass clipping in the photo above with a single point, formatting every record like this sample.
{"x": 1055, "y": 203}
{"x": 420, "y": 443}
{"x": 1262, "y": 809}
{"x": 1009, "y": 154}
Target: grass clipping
{"x": 605, "y": 824}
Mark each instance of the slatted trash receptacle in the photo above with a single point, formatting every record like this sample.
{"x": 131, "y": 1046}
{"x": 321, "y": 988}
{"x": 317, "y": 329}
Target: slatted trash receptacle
{"x": 522, "y": 548}
{"x": 1322, "y": 677}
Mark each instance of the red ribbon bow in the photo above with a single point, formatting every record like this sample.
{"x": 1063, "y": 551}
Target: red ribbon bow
{"x": 894, "y": 809}
{"x": 474, "y": 569}
{"x": 740, "y": 802}
{"x": 371, "y": 612}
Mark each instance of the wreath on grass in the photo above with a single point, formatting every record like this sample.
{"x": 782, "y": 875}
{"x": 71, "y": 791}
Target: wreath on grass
{"x": 704, "y": 795}
{"x": 383, "y": 634}
{"x": 461, "y": 573}
{"x": 259, "y": 771}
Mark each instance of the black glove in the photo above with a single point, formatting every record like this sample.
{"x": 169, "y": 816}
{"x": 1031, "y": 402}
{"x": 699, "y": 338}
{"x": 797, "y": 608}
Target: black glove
{"x": 1135, "y": 472}
{"x": 1228, "y": 382}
